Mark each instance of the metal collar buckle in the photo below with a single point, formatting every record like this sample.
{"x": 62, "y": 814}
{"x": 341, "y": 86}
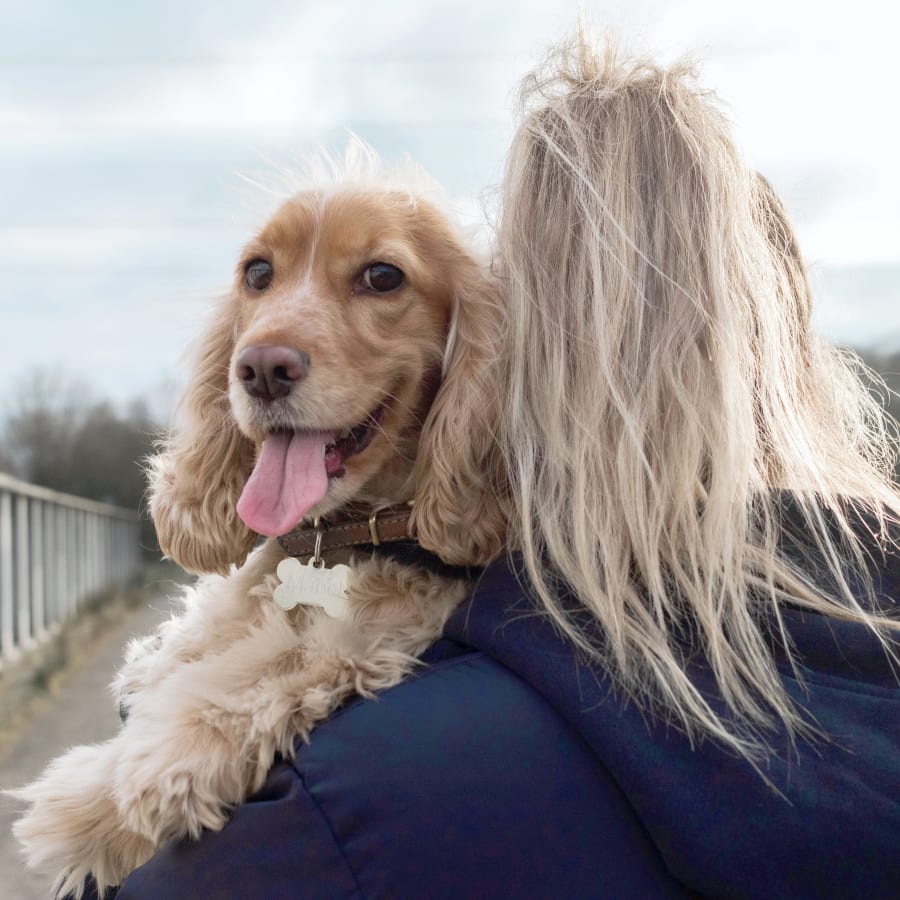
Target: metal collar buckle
{"x": 373, "y": 523}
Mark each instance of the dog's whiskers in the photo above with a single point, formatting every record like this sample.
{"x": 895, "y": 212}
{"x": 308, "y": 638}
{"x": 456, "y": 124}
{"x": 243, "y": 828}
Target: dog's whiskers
{"x": 416, "y": 421}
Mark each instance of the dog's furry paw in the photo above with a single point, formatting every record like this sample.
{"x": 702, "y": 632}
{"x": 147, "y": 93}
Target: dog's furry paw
{"x": 178, "y": 803}
{"x": 176, "y": 783}
{"x": 138, "y": 671}
{"x": 73, "y": 829}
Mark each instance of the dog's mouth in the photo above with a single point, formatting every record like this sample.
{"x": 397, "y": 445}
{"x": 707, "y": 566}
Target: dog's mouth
{"x": 293, "y": 471}
{"x": 352, "y": 441}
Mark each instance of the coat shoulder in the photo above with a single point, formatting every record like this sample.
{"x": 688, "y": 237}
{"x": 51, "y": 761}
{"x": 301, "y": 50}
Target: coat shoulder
{"x": 462, "y": 778}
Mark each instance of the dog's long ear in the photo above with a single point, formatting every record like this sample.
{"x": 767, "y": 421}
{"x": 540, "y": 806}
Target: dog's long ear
{"x": 197, "y": 477}
{"x": 459, "y": 511}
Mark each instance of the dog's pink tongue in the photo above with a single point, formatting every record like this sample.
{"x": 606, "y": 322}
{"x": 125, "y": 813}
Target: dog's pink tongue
{"x": 289, "y": 478}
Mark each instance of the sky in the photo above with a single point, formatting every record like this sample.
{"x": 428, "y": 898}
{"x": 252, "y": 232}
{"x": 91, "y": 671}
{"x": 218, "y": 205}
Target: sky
{"x": 125, "y": 130}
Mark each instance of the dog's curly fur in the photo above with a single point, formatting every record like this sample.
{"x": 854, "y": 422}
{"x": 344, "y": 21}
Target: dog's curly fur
{"x": 234, "y": 680}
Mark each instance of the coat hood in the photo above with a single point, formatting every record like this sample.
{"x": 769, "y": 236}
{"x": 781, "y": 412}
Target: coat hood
{"x": 818, "y": 819}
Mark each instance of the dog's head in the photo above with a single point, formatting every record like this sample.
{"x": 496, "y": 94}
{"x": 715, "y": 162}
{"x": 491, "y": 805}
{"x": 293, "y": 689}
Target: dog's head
{"x": 350, "y": 363}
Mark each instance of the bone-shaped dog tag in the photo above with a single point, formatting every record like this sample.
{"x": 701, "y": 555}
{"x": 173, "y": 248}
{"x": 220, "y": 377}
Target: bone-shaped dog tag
{"x": 312, "y": 586}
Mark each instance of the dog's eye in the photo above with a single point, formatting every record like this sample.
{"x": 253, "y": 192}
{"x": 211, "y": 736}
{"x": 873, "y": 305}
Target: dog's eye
{"x": 258, "y": 274}
{"x": 382, "y": 277}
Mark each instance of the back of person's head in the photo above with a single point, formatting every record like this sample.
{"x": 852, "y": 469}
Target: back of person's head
{"x": 664, "y": 389}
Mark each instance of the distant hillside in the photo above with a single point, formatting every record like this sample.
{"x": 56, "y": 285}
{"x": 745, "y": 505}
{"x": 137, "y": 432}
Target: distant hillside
{"x": 850, "y": 299}
{"x": 888, "y": 367}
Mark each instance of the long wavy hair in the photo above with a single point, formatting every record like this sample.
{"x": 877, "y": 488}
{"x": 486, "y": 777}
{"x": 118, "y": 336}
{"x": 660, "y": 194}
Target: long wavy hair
{"x": 663, "y": 388}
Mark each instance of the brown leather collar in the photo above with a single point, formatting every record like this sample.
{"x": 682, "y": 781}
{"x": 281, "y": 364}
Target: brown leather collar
{"x": 382, "y": 526}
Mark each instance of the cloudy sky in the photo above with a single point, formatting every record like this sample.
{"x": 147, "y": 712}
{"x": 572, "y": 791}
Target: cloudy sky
{"x": 124, "y": 129}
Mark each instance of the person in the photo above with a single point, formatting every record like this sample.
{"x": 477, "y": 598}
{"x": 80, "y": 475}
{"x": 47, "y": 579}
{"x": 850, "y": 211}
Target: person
{"x": 682, "y": 679}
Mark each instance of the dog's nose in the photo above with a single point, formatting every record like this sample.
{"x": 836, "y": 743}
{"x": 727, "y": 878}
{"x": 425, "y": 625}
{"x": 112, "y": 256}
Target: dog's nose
{"x": 269, "y": 372}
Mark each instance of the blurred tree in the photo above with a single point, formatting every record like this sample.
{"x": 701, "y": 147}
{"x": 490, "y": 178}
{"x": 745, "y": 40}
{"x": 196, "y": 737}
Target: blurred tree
{"x": 105, "y": 455}
{"x": 6, "y": 463}
{"x": 58, "y": 436}
{"x": 887, "y": 365}
{"x": 39, "y": 425}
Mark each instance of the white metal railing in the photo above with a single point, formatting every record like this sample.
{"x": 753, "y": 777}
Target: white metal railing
{"x": 56, "y": 550}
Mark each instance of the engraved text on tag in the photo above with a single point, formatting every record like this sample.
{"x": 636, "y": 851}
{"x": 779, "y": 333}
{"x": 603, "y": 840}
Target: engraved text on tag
{"x": 312, "y": 586}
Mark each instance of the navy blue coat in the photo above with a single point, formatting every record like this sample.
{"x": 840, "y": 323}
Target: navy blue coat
{"x": 507, "y": 769}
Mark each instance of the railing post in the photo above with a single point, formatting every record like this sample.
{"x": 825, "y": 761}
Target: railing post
{"x": 64, "y": 574}
{"x": 83, "y": 561}
{"x": 73, "y": 585}
{"x": 7, "y": 633}
{"x": 90, "y": 552}
{"x": 109, "y": 571}
{"x": 50, "y": 557}
{"x": 100, "y": 532}
{"x": 96, "y": 552}
{"x": 37, "y": 568}
{"x": 23, "y": 574}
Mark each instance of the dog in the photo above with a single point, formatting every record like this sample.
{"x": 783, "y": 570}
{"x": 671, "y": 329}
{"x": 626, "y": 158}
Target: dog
{"x": 347, "y": 371}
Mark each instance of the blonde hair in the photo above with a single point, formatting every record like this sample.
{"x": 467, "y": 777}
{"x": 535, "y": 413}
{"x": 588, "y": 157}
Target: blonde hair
{"x": 662, "y": 385}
